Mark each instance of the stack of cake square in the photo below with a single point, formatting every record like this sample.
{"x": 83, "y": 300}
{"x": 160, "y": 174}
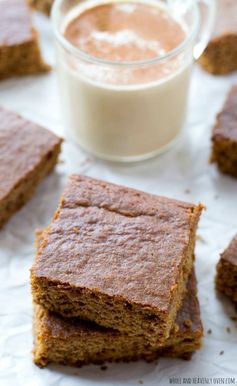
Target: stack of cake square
{"x": 113, "y": 278}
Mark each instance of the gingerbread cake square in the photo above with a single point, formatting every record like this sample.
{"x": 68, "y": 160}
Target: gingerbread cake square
{"x": 28, "y": 153}
{"x": 19, "y": 48}
{"x": 42, "y": 5}
{"x": 220, "y": 56}
{"x": 224, "y": 138}
{"x": 226, "y": 278}
{"x": 75, "y": 342}
{"x": 116, "y": 256}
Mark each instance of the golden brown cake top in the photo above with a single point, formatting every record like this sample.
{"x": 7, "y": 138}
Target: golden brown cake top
{"x": 15, "y": 22}
{"x": 118, "y": 241}
{"x": 230, "y": 254}
{"x": 226, "y": 18}
{"x": 188, "y": 320}
{"x": 226, "y": 124}
{"x": 23, "y": 144}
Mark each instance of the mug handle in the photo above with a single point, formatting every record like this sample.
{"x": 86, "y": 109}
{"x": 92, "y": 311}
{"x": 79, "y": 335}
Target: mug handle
{"x": 206, "y": 26}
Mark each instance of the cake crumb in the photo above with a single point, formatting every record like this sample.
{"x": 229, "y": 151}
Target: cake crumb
{"x": 103, "y": 368}
{"x": 228, "y": 330}
{"x": 209, "y": 331}
{"x": 176, "y": 327}
{"x": 187, "y": 323}
{"x": 187, "y": 191}
{"x": 221, "y": 352}
{"x": 173, "y": 288}
{"x": 140, "y": 382}
{"x": 200, "y": 238}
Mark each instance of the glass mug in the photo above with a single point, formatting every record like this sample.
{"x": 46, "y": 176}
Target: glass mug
{"x": 128, "y": 111}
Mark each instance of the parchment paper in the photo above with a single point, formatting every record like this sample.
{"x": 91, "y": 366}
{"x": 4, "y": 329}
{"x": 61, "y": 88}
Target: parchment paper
{"x": 183, "y": 173}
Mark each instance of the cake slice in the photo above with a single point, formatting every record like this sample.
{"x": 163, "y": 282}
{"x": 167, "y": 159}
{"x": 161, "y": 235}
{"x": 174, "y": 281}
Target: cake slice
{"x": 220, "y": 56}
{"x": 75, "y": 342}
{"x": 226, "y": 278}
{"x": 28, "y": 153}
{"x": 42, "y": 5}
{"x": 116, "y": 256}
{"x": 224, "y": 138}
{"x": 19, "y": 48}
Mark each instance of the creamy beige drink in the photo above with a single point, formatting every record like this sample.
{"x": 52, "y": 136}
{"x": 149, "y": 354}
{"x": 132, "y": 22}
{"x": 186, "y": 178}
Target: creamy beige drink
{"x": 125, "y": 31}
{"x": 122, "y": 109}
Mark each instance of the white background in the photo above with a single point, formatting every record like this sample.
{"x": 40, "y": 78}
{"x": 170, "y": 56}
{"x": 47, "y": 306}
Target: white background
{"x": 183, "y": 173}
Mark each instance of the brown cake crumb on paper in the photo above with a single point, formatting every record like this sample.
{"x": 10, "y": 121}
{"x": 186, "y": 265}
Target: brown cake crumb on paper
{"x": 19, "y": 48}
{"x": 220, "y": 56}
